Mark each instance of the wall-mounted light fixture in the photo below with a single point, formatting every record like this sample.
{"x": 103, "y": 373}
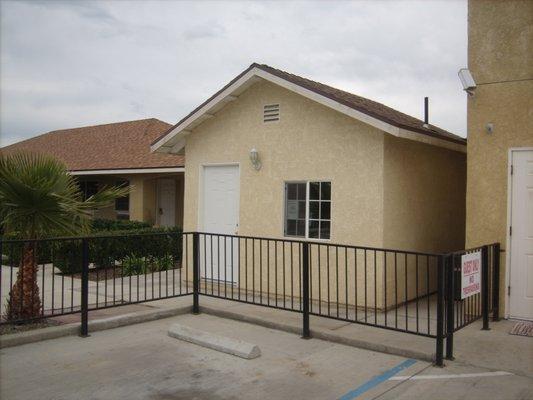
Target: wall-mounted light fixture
{"x": 254, "y": 158}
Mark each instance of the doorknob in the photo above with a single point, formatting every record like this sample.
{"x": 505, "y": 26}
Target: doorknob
{"x": 160, "y": 211}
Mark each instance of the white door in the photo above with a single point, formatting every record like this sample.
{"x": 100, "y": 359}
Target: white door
{"x": 166, "y": 202}
{"x": 220, "y": 214}
{"x": 521, "y": 271}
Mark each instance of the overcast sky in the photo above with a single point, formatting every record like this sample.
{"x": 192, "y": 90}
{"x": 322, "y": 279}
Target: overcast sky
{"x": 69, "y": 64}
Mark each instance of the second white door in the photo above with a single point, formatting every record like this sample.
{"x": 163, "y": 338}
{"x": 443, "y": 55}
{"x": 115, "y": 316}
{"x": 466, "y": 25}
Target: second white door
{"x": 220, "y": 215}
{"x": 521, "y": 271}
{"x": 166, "y": 202}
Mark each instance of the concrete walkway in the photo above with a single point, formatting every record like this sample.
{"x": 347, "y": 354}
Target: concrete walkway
{"x": 492, "y": 349}
{"x": 142, "y": 362}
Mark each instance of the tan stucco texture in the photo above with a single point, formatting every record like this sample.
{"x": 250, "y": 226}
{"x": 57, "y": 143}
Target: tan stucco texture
{"x": 386, "y": 192}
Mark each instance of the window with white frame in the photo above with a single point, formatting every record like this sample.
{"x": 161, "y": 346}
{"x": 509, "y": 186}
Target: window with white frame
{"x": 308, "y": 209}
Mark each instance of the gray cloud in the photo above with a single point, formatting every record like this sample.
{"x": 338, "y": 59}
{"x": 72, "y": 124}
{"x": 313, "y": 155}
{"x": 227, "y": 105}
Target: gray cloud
{"x": 78, "y": 63}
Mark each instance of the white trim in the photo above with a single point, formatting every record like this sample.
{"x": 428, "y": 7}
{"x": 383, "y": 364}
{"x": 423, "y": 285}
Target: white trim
{"x": 507, "y": 311}
{"x": 127, "y": 171}
{"x": 227, "y": 95}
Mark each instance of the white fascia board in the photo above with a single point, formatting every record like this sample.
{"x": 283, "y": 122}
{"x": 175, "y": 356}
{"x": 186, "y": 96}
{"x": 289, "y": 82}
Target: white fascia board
{"x": 127, "y": 171}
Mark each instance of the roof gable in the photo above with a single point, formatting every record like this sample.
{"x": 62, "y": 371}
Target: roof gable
{"x": 373, "y": 113}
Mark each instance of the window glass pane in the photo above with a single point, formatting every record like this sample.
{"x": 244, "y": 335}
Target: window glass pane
{"x": 314, "y": 190}
{"x": 301, "y": 191}
{"x": 313, "y": 229}
{"x": 325, "y": 210}
{"x": 301, "y": 227}
{"x": 325, "y": 191}
{"x": 291, "y": 191}
{"x": 313, "y": 210}
{"x": 301, "y": 209}
{"x": 291, "y": 227}
{"x": 324, "y": 229}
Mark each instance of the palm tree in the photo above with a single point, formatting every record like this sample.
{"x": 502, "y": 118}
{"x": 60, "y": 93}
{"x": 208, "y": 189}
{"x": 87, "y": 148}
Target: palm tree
{"x": 39, "y": 198}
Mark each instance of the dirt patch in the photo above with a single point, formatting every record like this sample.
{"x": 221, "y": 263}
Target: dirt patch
{"x": 17, "y": 328}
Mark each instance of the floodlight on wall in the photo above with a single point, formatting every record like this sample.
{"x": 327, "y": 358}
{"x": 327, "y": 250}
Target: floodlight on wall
{"x": 467, "y": 81}
{"x": 254, "y": 158}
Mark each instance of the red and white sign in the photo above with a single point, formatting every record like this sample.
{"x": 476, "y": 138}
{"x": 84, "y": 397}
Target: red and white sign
{"x": 470, "y": 274}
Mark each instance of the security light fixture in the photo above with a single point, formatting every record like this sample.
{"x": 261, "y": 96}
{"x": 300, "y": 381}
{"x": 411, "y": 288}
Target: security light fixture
{"x": 467, "y": 81}
{"x": 254, "y": 158}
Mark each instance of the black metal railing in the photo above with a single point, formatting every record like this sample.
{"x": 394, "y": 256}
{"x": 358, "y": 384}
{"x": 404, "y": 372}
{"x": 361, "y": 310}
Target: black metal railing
{"x": 74, "y": 275}
{"x": 410, "y": 292}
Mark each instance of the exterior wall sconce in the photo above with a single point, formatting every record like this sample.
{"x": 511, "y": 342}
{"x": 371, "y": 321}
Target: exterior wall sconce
{"x": 254, "y": 158}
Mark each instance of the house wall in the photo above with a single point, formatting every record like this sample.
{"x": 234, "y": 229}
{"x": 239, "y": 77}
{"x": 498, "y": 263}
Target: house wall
{"x": 424, "y": 197}
{"x": 500, "y": 50}
{"x": 310, "y": 142}
{"x": 424, "y": 210}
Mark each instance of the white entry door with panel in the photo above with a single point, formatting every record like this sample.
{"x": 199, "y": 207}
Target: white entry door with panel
{"x": 521, "y": 238}
{"x": 220, "y": 215}
{"x": 166, "y": 202}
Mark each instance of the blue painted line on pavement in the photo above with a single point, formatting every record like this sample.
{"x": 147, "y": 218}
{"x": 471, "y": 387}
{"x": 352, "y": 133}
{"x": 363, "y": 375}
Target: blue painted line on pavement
{"x": 365, "y": 387}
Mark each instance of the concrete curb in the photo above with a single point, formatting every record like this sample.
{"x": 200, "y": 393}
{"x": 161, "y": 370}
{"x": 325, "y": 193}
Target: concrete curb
{"x": 38, "y": 335}
{"x": 321, "y": 334}
{"x": 223, "y": 344}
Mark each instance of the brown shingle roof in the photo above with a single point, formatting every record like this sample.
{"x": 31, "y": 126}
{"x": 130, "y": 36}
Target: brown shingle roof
{"x": 110, "y": 146}
{"x": 364, "y": 105}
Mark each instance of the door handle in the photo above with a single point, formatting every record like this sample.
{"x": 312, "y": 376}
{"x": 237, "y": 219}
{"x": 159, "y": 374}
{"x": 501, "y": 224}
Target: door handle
{"x": 160, "y": 211}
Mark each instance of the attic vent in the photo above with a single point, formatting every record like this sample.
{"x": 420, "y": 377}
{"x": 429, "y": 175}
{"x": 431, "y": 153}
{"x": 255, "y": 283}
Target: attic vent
{"x": 271, "y": 113}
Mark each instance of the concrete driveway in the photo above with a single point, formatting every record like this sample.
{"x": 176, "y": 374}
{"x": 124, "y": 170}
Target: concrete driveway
{"x": 142, "y": 362}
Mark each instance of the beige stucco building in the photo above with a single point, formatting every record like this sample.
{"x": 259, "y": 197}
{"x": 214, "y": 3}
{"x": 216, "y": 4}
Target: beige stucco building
{"x": 119, "y": 154}
{"x": 500, "y": 143}
{"x": 385, "y": 179}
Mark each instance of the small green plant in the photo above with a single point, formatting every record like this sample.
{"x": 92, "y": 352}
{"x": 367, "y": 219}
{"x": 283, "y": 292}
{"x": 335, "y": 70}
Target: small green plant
{"x": 133, "y": 265}
{"x": 163, "y": 263}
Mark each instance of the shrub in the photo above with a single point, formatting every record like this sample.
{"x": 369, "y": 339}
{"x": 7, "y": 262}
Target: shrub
{"x": 101, "y": 225}
{"x": 162, "y": 246}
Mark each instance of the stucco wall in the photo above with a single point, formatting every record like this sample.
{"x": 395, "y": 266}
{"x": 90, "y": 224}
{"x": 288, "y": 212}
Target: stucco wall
{"x": 309, "y": 142}
{"x": 500, "y": 50}
{"x": 312, "y": 142}
{"x": 424, "y": 196}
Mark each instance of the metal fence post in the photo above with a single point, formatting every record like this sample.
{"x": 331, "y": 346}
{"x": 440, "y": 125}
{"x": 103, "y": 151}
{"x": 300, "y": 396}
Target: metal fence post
{"x": 84, "y": 331}
{"x": 306, "y": 334}
{"x": 440, "y": 312}
{"x": 485, "y": 286}
{"x": 196, "y": 273}
{"x": 450, "y": 305}
{"x": 496, "y": 283}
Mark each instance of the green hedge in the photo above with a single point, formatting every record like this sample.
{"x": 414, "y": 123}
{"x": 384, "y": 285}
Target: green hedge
{"x": 101, "y": 224}
{"x": 154, "y": 244}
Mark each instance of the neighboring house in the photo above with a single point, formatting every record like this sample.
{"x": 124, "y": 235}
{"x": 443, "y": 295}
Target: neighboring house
{"x": 330, "y": 167}
{"x": 500, "y": 143}
{"x": 119, "y": 153}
